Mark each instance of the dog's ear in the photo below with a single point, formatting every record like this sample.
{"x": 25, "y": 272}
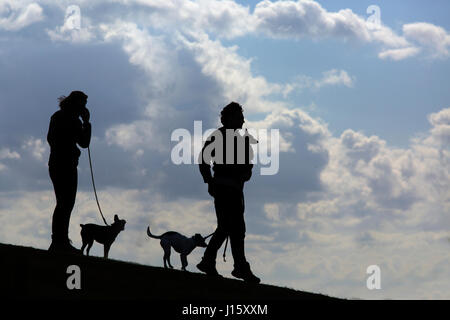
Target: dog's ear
{"x": 116, "y": 218}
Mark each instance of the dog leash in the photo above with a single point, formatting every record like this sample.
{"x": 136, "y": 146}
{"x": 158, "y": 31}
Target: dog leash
{"x": 224, "y": 250}
{"x": 93, "y": 184}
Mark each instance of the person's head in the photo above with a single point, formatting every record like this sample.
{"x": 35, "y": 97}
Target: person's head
{"x": 232, "y": 116}
{"x": 74, "y": 102}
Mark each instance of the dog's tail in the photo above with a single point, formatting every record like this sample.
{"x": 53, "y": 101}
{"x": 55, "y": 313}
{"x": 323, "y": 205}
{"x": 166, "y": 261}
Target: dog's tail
{"x": 152, "y": 235}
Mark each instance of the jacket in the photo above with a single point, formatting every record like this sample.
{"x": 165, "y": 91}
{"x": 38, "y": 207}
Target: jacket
{"x": 236, "y": 172}
{"x": 64, "y": 133}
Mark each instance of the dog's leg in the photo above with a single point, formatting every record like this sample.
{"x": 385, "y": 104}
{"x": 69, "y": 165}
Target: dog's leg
{"x": 166, "y": 248}
{"x": 106, "y": 248}
{"x": 184, "y": 262}
{"x": 83, "y": 246}
{"x": 89, "y": 245}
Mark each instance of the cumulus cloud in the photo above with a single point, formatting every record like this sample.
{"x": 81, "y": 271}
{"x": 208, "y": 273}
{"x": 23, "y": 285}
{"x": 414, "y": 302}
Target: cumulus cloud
{"x": 278, "y": 19}
{"x": 377, "y": 198}
{"x": 299, "y": 19}
{"x": 228, "y": 19}
{"x": 307, "y": 18}
{"x": 399, "y": 54}
{"x": 36, "y": 147}
{"x": 6, "y": 153}
{"x": 18, "y": 14}
{"x": 335, "y": 77}
{"x": 232, "y": 73}
{"x": 434, "y": 38}
{"x": 151, "y": 53}
{"x": 76, "y": 27}
{"x": 441, "y": 127}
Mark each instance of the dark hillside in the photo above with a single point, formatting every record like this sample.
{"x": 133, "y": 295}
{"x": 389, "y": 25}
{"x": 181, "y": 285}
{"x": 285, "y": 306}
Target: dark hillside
{"x": 28, "y": 273}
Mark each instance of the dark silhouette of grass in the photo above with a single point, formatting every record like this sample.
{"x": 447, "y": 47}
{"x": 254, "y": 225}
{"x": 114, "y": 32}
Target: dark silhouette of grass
{"x": 29, "y": 273}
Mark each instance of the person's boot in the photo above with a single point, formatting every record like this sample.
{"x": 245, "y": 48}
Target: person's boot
{"x": 243, "y": 272}
{"x": 208, "y": 267}
{"x": 57, "y": 244}
{"x": 62, "y": 245}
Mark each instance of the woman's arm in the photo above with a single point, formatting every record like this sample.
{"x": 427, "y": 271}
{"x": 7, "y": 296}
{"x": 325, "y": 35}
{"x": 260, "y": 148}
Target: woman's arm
{"x": 84, "y": 137}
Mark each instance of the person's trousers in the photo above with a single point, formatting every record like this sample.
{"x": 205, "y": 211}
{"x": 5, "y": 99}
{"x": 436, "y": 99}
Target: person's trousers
{"x": 65, "y": 181}
{"x": 229, "y": 206}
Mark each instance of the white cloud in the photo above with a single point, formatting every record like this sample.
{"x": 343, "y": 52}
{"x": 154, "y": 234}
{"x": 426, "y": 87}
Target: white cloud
{"x": 399, "y": 54}
{"x": 232, "y": 73}
{"x": 6, "y": 153}
{"x": 335, "y": 77}
{"x": 35, "y": 147}
{"x": 137, "y": 135}
{"x": 434, "y": 38}
{"x": 18, "y": 14}
{"x": 76, "y": 28}
{"x": 307, "y": 18}
{"x": 151, "y": 53}
{"x": 71, "y": 35}
{"x": 228, "y": 19}
{"x": 440, "y": 132}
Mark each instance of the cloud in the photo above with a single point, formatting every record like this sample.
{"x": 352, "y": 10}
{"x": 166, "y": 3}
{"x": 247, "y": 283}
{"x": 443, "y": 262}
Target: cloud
{"x": 232, "y": 73}
{"x": 304, "y": 18}
{"x": 76, "y": 28}
{"x": 6, "y": 153}
{"x": 279, "y": 19}
{"x": 151, "y": 53}
{"x": 18, "y": 14}
{"x": 399, "y": 54}
{"x": 335, "y": 77}
{"x": 434, "y": 38}
{"x": 307, "y": 18}
{"x": 227, "y": 19}
{"x": 36, "y": 148}
{"x": 440, "y": 132}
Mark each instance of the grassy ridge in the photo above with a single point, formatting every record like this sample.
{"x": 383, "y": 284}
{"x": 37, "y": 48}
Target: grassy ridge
{"x": 36, "y": 274}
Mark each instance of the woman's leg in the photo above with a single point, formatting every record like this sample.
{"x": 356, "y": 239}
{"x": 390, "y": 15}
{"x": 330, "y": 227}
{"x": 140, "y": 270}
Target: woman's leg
{"x": 65, "y": 180}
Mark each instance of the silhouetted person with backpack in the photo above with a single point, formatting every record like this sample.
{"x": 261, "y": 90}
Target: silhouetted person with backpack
{"x": 66, "y": 130}
{"x": 226, "y": 186}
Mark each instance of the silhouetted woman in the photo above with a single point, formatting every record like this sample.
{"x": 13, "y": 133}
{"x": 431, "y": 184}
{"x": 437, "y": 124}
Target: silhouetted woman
{"x": 65, "y": 132}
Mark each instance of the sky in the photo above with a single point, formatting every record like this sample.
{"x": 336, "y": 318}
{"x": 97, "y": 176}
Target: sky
{"x": 360, "y": 97}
